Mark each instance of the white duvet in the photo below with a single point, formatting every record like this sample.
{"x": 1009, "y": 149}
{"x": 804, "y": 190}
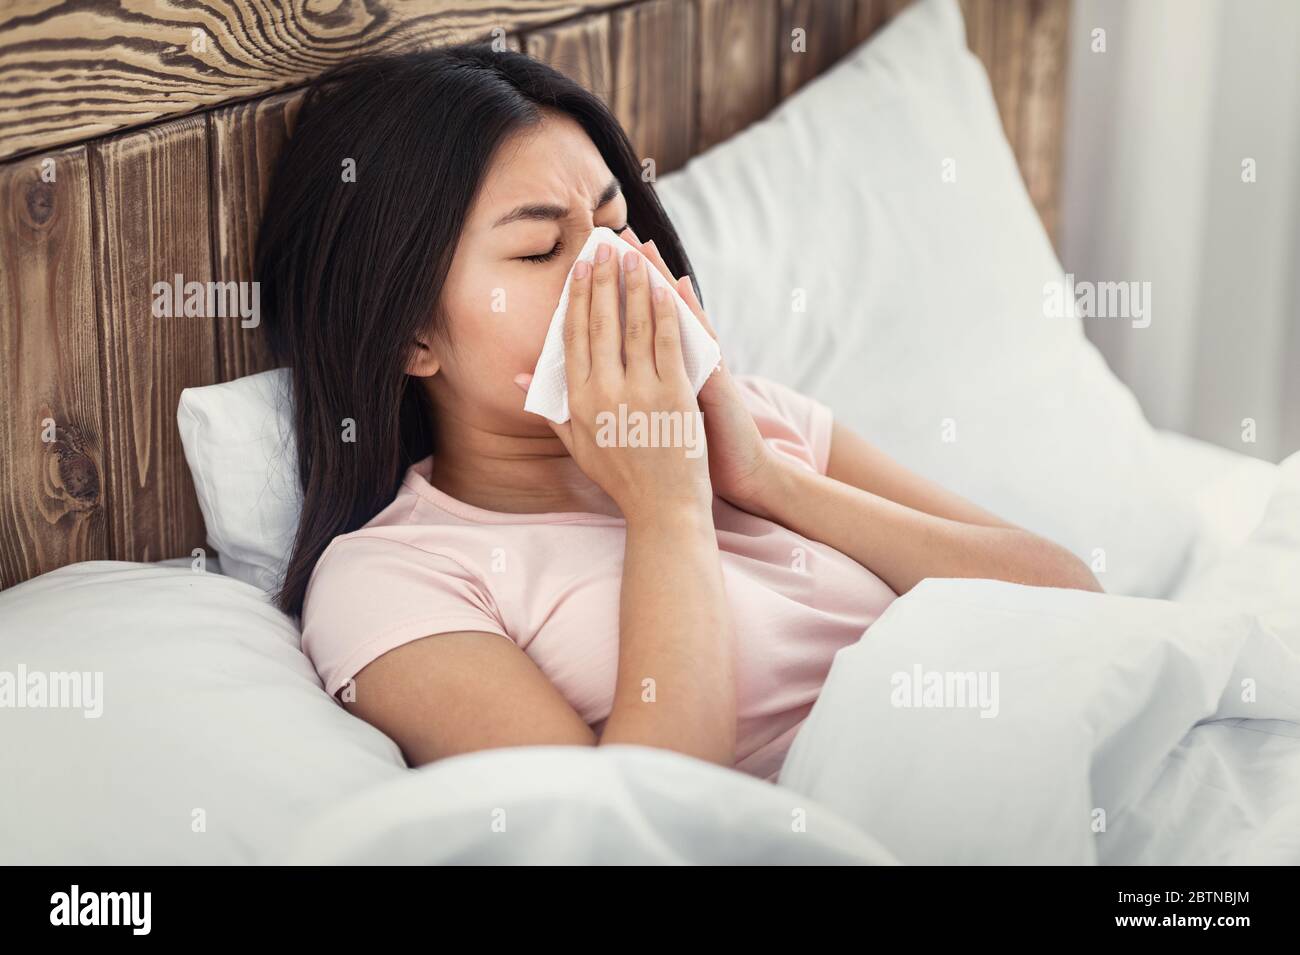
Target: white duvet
{"x": 1096, "y": 729}
{"x": 1093, "y": 729}
{"x": 1092, "y": 736}
{"x": 1126, "y": 730}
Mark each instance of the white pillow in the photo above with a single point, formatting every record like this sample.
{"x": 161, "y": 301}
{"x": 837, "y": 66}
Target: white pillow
{"x": 1262, "y": 575}
{"x": 924, "y": 312}
{"x": 208, "y": 713}
{"x": 238, "y": 441}
{"x": 1229, "y": 493}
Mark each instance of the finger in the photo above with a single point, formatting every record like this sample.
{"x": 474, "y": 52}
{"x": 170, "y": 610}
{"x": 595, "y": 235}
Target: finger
{"x": 638, "y": 329}
{"x": 602, "y": 324}
{"x": 630, "y": 234}
{"x": 668, "y": 338}
{"x": 686, "y": 290}
{"x": 683, "y": 286}
{"x": 577, "y": 348}
{"x": 652, "y": 253}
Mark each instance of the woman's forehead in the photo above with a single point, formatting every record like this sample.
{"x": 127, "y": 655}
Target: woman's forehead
{"x": 552, "y": 162}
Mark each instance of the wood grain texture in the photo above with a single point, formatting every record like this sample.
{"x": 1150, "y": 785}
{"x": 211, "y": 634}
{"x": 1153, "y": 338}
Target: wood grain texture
{"x": 1041, "y": 121}
{"x": 52, "y": 492}
{"x": 654, "y": 79}
{"x": 75, "y": 69}
{"x": 245, "y": 140}
{"x": 579, "y": 50}
{"x": 1022, "y": 44}
{"x": 813, "y": 35}
{"x": 737, "y": 51}
{"x": 151, "y": 223}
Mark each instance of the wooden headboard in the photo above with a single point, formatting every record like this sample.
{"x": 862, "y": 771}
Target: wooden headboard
{"x": 137, "y": 146}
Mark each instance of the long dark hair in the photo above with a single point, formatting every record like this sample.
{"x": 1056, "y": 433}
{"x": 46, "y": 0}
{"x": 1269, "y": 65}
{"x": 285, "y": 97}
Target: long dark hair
{"x": 352, "y": 266}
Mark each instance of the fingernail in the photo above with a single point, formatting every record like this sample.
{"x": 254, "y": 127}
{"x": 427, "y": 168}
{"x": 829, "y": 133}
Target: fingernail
{"x": 581, "y": 269}
{"x": 660, "y": 293}
{"x": 602, "y": 252}
{"x": 630, "y": 259}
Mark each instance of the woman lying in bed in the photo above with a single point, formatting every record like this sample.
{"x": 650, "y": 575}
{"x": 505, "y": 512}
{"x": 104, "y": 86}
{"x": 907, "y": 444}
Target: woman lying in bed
{"x": 470, "y": 575}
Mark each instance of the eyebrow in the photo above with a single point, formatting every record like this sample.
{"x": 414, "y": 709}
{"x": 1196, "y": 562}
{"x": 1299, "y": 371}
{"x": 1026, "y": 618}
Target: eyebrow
{"x": 547, "y": 211}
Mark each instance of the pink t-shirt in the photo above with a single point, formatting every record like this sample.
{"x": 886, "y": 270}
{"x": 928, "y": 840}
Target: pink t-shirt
{"x": 430, "y": 564}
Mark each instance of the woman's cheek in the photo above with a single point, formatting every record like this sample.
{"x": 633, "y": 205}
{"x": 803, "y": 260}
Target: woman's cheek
{"x": 530, "y": 311}
{"x": 507, "y": 320}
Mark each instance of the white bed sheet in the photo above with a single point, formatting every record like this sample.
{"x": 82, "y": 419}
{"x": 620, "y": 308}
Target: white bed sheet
{"x": 1229, "y": 794}
{"x": 1228, "y": 492}
{"x": 615, "y": 805}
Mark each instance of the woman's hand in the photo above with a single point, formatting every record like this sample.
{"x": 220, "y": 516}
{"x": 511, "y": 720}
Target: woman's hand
{"x": 741, "y": 465}
{"x": 605, "y": 389}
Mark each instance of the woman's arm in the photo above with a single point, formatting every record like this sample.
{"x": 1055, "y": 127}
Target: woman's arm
{"x": 456, "y": 693}
{"x": 676, "y": 669}
{"x": 902, "y": 527}
{"x": 895, "y": 523}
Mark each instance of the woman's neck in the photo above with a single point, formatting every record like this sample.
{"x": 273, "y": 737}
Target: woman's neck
{"x": 510, "y": 473}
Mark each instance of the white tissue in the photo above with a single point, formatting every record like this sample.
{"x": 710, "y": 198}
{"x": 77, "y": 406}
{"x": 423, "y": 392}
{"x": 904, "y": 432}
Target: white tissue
{"x": 548, "y": 394}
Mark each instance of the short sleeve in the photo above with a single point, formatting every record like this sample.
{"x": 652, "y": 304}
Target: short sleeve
{"x": 370, "y": 594}
{"x": 791, "y": 422}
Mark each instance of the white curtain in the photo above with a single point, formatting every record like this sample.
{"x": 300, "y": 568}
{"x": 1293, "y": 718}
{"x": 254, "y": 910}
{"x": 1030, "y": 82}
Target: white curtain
{"x": 1188, "y": 99}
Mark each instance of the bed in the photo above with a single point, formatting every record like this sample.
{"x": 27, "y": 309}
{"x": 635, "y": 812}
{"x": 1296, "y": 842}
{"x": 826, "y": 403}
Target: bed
{"x": 900, "y": 172}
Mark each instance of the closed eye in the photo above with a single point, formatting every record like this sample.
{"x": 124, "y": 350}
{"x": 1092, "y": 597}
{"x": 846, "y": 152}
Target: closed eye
{"x": 556, "y": 250}
{"x": 544, "y": 256}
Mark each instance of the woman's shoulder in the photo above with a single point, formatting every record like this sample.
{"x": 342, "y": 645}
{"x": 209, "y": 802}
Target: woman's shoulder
{"x": 399, "y": 552}
{"x": 372, "y": 579}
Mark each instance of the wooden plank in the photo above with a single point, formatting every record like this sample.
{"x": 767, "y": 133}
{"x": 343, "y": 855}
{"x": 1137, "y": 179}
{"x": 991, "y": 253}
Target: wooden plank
{"x": 578, "y": 49}
{"x": 981, "y": 29}
{"x": 245, "y": 141}
{"x": 738, "y": 66}
{"x": 1022, "y": 44}
{"x": 653, "y": 54}
{"x": 827, "y": 31}
{"x": 51, "y": 458}
{"x": 1042, "y": 108}
{"x": 151, "y": 221}
{"x": 1006, "y": 72}
{"x": 74, "y": 69}
{"x": 874, "y": 14}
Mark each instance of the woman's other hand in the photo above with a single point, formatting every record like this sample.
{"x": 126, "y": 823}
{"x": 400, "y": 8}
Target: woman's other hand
{"x": 740, "y": 463}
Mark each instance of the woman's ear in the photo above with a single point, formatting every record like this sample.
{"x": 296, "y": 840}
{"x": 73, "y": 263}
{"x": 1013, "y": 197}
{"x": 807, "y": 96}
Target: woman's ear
{"x": 423, "y": 362}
